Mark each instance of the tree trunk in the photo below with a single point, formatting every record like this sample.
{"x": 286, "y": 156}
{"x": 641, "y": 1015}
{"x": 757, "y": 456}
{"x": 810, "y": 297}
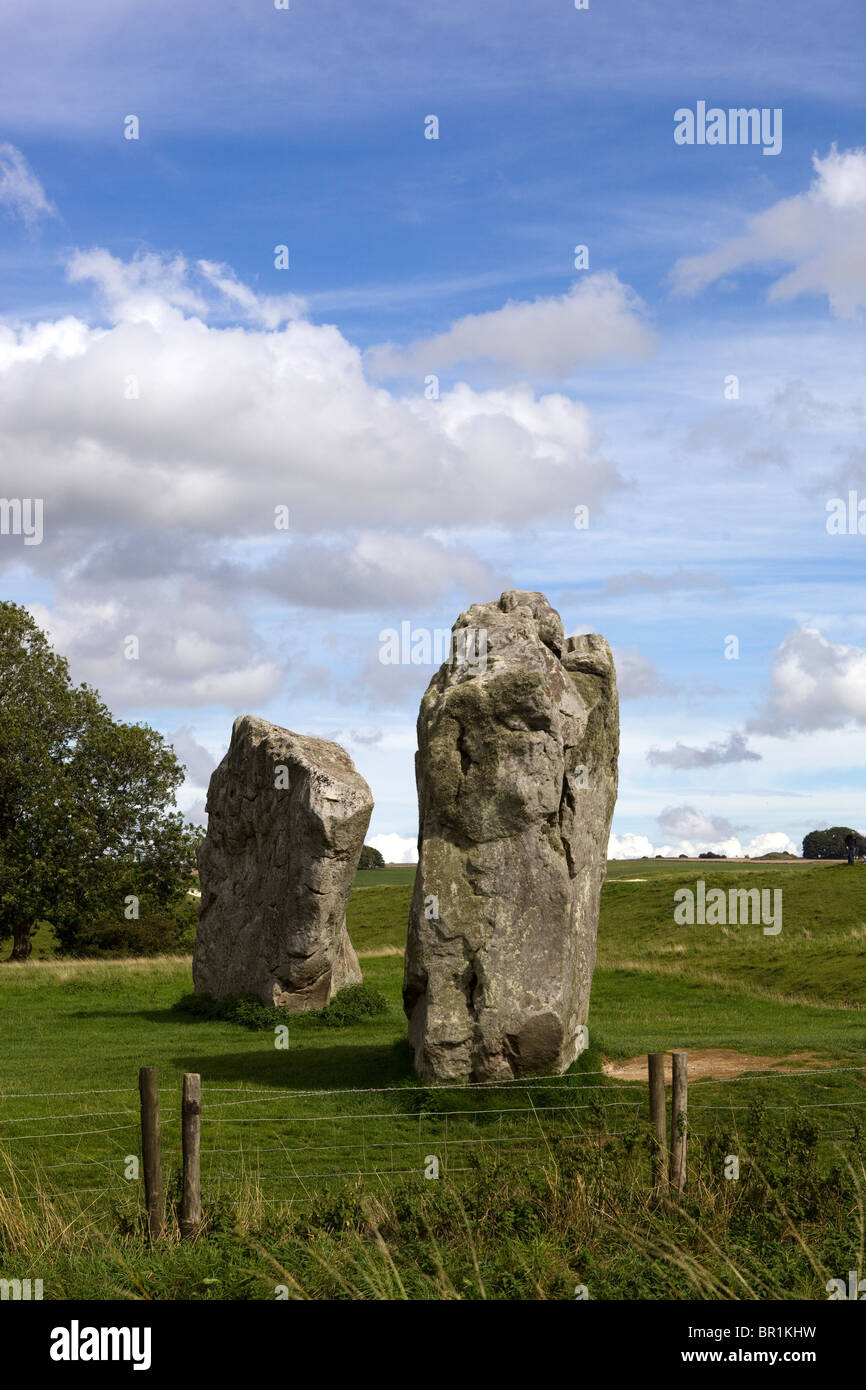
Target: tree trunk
{"x": 21, "y": 942}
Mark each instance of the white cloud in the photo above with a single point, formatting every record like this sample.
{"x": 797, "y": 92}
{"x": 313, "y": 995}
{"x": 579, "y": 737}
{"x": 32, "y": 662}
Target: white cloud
{"x": 147, "y": 289}
{"x": 199, "y": 763}
{"x": 268, "y": 310}
{"x": 775, "y": 841}
{"x": 597, "y": 318}
{"x": 841, "y": 181}
{"x": 192, "y": 809}
{"x": 821, "y": 233}
{"x": 631, "y": 846}
{"x": 396, "y": 849}
{"x": 191, "y": 651}
{"x": 692, "y": 824}
{"x": 21, "y": 193}
{"x": 733, "y": 749}
{"x": 814, "y": 684}
{"x": 65, "y": 338}
{"x": 384, "y": 570}
{"x": 366, "y": 738}
{"x": 162, "y": 443}
{"x": 230, "y": 422}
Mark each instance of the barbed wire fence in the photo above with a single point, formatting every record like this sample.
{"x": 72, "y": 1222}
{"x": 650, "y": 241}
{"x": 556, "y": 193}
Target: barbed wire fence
{"x": 291, "y": 1144}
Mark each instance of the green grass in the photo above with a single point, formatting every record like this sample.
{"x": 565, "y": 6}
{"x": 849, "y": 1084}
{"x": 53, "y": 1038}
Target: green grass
{"x": 508, "y": 1230}
{"x": 378, "y": 912}
{"x": 88, "y": 1026}
{"x": 401, "y": 874}
{"x": 819, "y": 955}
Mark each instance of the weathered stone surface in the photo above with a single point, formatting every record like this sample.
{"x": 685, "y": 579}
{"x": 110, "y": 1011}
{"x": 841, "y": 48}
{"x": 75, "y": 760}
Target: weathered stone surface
{"x": 512, "y": 845}
{"x": 287, "y": 819}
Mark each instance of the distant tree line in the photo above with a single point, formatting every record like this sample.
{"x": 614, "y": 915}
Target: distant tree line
{"x": 370, "y": 858}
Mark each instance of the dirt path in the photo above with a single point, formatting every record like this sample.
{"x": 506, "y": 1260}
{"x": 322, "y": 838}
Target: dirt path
{"x": 718, "y": 1063}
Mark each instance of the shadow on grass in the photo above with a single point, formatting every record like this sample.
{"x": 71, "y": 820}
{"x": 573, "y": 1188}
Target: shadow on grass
{"x": 166, "y": 1015}
{"x": 341, "y": 1065}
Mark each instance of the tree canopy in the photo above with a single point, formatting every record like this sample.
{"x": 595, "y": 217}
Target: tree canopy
{"x": 87, "y": 819}
{"x": 830, "y": 844}
{"x": 370, "y": 858}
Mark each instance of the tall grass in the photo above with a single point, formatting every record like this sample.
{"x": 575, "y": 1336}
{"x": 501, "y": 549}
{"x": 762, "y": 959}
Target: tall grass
{"x": 578, "y": 1215}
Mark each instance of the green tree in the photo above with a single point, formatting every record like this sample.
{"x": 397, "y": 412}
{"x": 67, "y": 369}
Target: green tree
{"x": 86, "y": 803}
{"x": 830, "y": 844}
{"x": 370, "y": 858}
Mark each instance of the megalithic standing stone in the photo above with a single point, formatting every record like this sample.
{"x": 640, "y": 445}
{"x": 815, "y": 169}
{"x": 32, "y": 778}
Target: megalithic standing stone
{"x": 518, "y": 739}
{"x": 287, "y": 817}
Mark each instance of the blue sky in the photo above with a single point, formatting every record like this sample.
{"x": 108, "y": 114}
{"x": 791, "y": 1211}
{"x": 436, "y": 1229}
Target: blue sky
{"x": 151, "y": 261}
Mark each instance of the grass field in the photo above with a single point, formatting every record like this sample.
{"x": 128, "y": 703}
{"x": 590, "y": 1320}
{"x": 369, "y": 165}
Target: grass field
{"x": 270, "y": 1148}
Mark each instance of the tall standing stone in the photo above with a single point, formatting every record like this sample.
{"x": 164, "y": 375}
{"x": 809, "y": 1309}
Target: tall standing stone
{"x": 517, "y": 776}
{"x": 287, "y": 817}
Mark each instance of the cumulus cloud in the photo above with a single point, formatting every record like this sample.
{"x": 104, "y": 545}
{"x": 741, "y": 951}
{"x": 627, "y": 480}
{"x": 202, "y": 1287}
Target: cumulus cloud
{"x": 169, "y": 445}
{"x": 199, "y": 763}
{"x": 631, "y": 846}
{"x": 372, "y": 570}
{"x": 598, "y": 318}
{"x": 164, "y": 644}
{"x": 821, "y": 233}
{"x": 774, "y": 842}
{"x": 682, "y": 756}
{"x": 142, "y": 289}
{"x": 21, "y": 193}
{"x": 164, "y": 419}
{"x": 151, "y": 288}
{"x": 396, "y": 849}
{"x": 814, "y": 684}
{"x": 692, "y": 824}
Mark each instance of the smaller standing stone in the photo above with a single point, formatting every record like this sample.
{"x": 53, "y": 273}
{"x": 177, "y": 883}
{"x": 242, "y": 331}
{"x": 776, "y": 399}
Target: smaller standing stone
{"x": 287, "y": 816}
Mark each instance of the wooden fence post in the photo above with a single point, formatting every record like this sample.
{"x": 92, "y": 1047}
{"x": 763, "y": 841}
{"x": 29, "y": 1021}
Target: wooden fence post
{"x": 656, "y": 1063}
{"x": 151, "y": 1151}
{"x": 679, "y": 1120}
{"x": 190, "y": 1204}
